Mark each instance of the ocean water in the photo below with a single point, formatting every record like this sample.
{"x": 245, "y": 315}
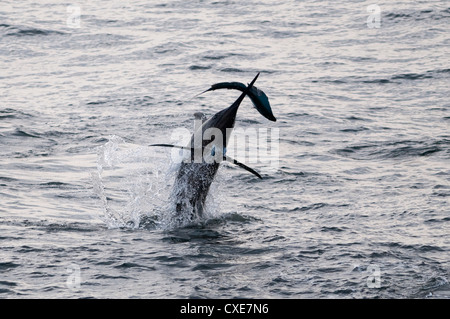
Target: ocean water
{"x": 357, "y": 207}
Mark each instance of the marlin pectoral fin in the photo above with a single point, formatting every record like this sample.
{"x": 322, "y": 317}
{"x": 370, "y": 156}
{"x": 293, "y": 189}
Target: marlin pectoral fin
{"x": 251, "y": 170}
{"x": 191, "y": 149}
{"x": 170, "y": 145}
{"x": 225, "y": 158}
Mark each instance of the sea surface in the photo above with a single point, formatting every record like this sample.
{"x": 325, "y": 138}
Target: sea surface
{"x": 357, "y": 205}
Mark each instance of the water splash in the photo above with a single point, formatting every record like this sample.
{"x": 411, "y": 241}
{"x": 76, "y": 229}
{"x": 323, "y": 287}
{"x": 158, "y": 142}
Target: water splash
{"x": 134, "y": 186}
{"x": 131, "y": 182}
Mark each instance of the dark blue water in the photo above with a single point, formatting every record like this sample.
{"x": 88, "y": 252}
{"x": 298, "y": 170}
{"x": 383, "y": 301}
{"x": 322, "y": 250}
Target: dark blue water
{"x": 358, "y": 206}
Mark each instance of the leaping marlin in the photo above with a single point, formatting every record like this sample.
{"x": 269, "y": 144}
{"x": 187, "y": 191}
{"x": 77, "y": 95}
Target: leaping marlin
{"x": 194, "y": 177}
